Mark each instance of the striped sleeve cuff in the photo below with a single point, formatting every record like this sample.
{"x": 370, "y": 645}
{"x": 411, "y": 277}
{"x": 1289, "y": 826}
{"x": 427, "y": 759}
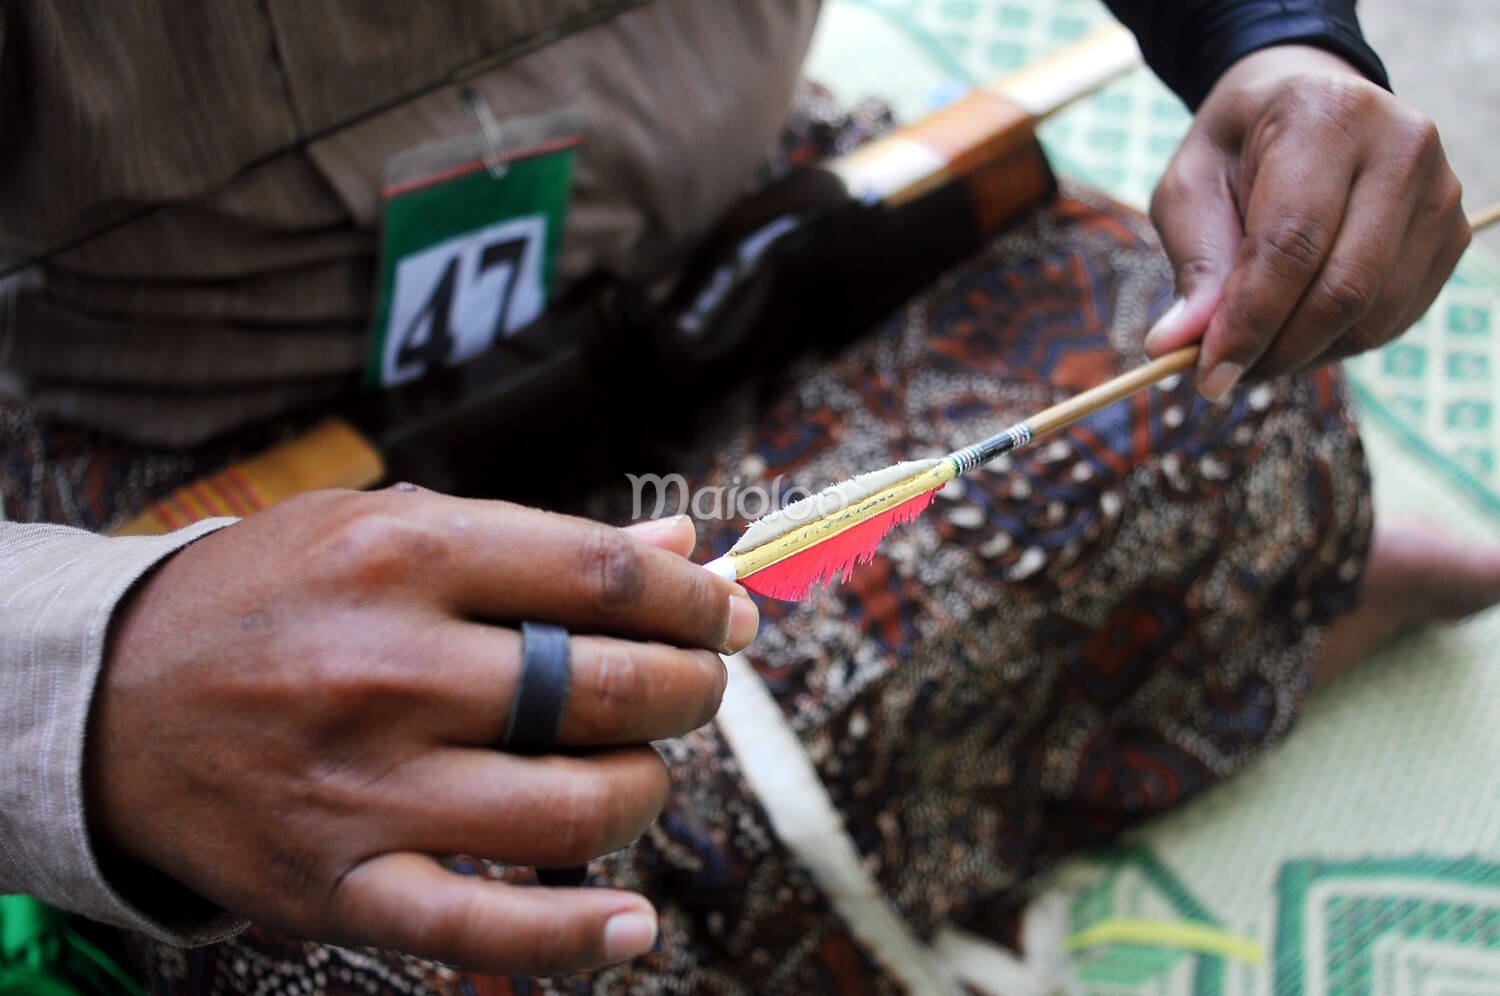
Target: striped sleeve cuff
{"x": 58, "y": 591}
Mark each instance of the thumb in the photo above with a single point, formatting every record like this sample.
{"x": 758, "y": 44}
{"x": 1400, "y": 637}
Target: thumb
{"x": 1195, "y": 214}
{"x": 676, "y": 534}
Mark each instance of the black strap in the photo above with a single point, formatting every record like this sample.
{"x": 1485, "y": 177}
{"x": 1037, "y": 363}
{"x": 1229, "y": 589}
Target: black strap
{"x": 546, "y": 670}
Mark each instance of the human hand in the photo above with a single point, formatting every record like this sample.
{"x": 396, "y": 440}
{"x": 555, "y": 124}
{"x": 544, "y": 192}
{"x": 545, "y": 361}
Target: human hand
{"x": 1309, "y": 215}
{"x": 298, "y": 711}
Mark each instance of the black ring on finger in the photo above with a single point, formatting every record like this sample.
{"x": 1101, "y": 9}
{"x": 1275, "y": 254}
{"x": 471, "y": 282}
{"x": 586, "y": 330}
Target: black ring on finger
{"x": 536, "y": 712}
{"x": 546, "y": 672}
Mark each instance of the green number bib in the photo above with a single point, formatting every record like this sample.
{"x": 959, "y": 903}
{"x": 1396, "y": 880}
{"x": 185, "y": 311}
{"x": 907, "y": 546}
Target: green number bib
{"x": 468, "y": 250}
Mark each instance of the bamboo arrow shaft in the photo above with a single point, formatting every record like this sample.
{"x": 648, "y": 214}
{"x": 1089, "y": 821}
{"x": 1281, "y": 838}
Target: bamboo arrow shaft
{"x": 1064, "y": 414}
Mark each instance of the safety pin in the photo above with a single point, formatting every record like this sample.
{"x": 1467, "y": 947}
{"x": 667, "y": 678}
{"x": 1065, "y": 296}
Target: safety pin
{"x": 493, "y": 162}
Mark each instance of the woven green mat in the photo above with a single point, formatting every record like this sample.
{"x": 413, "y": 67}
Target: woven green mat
{"x": 1439, "y": 385}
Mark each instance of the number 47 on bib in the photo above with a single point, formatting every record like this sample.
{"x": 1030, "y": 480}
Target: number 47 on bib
{"x": 468, "y": 253}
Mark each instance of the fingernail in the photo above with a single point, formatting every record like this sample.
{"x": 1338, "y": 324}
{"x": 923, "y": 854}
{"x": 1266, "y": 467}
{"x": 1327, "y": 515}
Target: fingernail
{"x": 1165, "y": 325}
{"x": 744, "y": 623}
{"x": 1220, "y": 380}
{"x": 650, "y": 530}
{"x": 629, "y": 934}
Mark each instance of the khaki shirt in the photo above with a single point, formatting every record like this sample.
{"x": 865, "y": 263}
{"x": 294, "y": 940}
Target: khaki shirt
{"x": 248, "y": 290}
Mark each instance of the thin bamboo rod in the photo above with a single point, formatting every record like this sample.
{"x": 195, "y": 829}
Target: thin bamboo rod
{"x": 1485, "y": 217}
{"x": 1064, "y": 414}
